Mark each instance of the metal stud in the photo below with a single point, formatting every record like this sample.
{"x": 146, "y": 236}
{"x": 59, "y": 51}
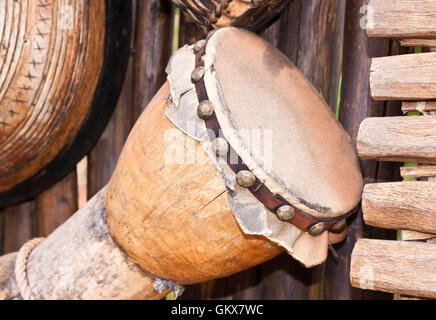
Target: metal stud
{"x": 198, "y": 45}
{"x": 317, "y": 229}
{"x": 197, "y": 74}
{"x": 221, "y": 147}
{"x": 205, "y": 109}
{"x": 339, "y": 226}
{"x": 245, "y": 178}
{"x": 286, "y": 213}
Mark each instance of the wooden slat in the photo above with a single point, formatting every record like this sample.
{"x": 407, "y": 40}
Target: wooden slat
{"x": 421, "y": 106}
{"x": 407, "y": 268}
{"x": 401, "y": 205}
{"x": 404, "y": 139}
{"x": 428, "y": 43}
{"x": 18, "y": 226}
{"x": 408, "y": 235}
{"x": 418, "y": 171}
{"x": 401, "y": 19}
{"x": 404, "y": 77}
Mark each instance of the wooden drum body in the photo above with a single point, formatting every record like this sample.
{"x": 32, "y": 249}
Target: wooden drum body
{"x": 61, "y": 69}
{"x": 178, "y": 217}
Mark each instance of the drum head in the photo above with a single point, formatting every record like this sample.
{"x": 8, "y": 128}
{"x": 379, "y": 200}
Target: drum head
{"x": 279, "y": 125}
{"x": 61, "y": 71}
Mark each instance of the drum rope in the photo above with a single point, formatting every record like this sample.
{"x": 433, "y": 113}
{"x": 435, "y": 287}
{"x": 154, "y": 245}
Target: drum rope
{"x": 21, "y": 268}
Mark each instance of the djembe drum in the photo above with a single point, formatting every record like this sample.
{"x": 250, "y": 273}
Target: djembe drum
{"x": 236, "y": 159}
{"x": 61, "y": 69}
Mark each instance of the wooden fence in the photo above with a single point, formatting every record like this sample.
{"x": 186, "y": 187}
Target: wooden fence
{"x": 324, "y": 39}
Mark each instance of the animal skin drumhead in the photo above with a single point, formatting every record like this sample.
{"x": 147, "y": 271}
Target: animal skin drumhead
{"x": 303, "y": 153}
{"x": 61, "y": 69}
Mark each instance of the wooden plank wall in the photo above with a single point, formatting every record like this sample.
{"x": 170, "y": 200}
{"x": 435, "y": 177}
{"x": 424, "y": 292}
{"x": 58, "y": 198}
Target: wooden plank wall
{"x": 310, "y": 33}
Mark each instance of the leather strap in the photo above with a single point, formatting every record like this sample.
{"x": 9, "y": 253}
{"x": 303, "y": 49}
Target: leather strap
{"x": 301, "y": 220}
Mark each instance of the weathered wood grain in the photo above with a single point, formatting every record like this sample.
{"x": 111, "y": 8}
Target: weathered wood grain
{"x": 152, "y": 51}
{"x": 421, "y": 106}
{"x": 18, "y": 226}
{"x": 408, "y": 235}
{"x": 401, "y": 205}
{"x": 8, "y": 285}
{"x": 404, "y": 77}
{"x": 418, "y": 171}
{"x": 428, "y": 43}
{"x": 404, "y": 139}
{"x": 406, "y": 268}
{"x": 54, "y": 206}
{"x": 80, "y": 260}
{"x": 401, "y": 19}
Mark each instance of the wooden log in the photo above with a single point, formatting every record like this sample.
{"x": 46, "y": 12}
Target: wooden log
{"x": 421, "y": 106}
{"x": 8, "y": 285}
{"x": 405, "y": 268}
{"x": 418, "y": 171}
{"x": 404, "y": 139}
{"x": 54, "y": 206}
{"x": 408, "y": 235}
{"x": 401, "y": 19}
{"x": 355, "y": 106}
{"x": 404, "y": 77}
{"x": 401, "y": 205}
{"x": 80, "y": 260}
{"x": 428, "y": 43}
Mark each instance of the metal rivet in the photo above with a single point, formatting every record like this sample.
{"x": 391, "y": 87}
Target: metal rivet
{"x": 339, "y": 226}
{"x": 286, "y": 213}
{"x": 245, "y": 178}
{"x": 221, "y": 147}
{"x": 197, "y": 74}
{"x": 317, "y": 229}
{"x": 198, "y": 45}
{"x": 205, "y": 109}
